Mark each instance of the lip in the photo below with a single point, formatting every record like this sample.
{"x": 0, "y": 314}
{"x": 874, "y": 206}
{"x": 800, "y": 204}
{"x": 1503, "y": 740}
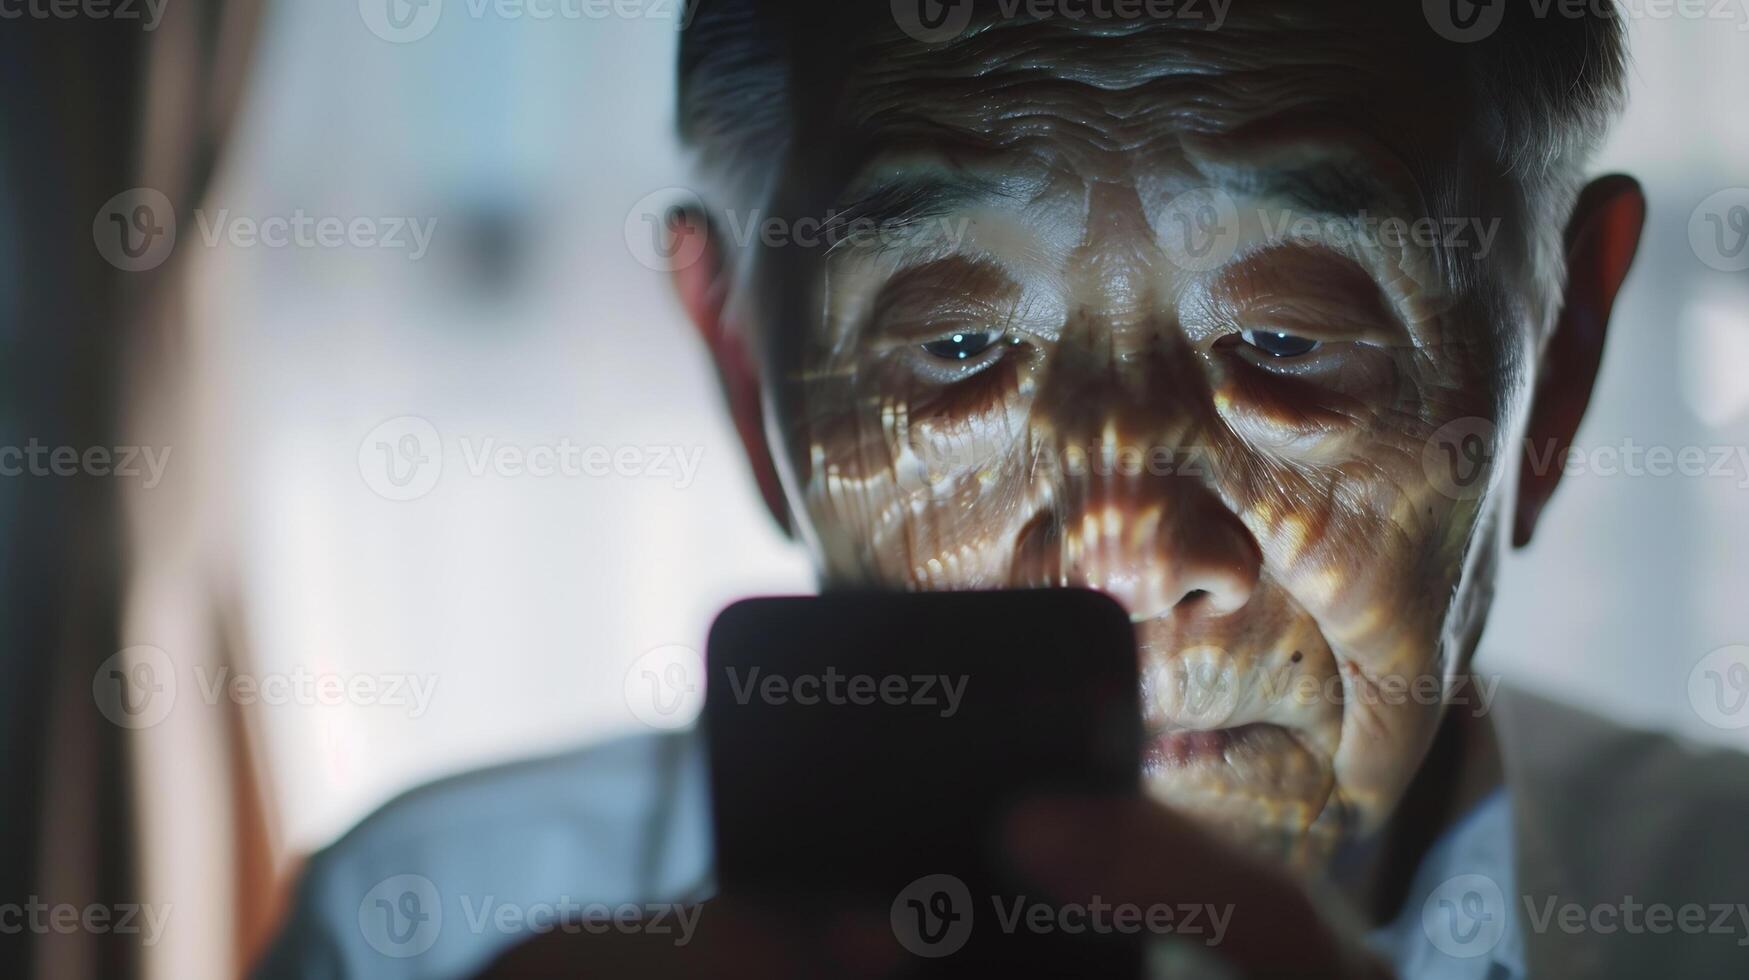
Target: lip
{"x": 1180, "y": 748}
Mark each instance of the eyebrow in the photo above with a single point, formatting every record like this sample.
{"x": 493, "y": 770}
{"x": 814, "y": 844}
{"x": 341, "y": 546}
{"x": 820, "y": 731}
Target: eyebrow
{"x": 1343, "y": 186}
{"x": 902, "y": 200}
{"x": 1332, "y": 187}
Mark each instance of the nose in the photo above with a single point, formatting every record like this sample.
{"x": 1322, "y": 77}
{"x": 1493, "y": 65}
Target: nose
{"x": 1198, "y": 557}
{"x": 1130, "y": 505}
{"x": 1159, "y": 544}
{"x": 1127, "y": 483}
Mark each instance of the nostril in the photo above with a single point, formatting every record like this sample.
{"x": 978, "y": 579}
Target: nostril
{"x": 1217, "y": 591}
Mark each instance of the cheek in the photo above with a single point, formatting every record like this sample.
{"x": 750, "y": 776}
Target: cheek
{"x": 1363, "y": 545}
{"x": 1380, "y": 563}
{"x": 1367, "y": 533}
{"x": 1353, "y": 507}
{"x": 920, "y": 486}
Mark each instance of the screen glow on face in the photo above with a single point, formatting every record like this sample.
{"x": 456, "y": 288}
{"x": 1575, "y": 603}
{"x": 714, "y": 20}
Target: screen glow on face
{"x": 1230, "y": 440}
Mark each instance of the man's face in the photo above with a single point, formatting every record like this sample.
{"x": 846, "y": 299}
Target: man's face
{"x": 1128, "y": 310}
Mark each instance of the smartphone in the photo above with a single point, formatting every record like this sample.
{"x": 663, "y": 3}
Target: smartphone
{"x": 863, "y": 748}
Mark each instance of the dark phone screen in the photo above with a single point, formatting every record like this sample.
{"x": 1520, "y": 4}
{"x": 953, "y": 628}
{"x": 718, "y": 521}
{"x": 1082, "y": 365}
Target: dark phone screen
{"x": 864, "y": 747}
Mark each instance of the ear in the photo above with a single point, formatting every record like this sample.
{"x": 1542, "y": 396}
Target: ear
{"x": 703, "y": 287}
{"x": 1602, "y": 236}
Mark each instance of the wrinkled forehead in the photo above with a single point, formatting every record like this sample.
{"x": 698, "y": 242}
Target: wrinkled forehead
{"x": 1145, "y": 91}
{"x": 1128, "y": 72}
{"x": 1079, "y": 139}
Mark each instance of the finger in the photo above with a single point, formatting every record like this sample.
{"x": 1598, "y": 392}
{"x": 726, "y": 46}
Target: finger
{"x": 1136, "y": 852}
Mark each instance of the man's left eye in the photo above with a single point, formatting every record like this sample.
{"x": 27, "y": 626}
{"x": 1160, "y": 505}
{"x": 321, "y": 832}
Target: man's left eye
{"x": 1277, "y": 344}
{"x": 961, "y": 346}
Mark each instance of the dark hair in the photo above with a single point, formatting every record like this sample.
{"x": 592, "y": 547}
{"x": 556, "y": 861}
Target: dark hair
{"x": 1548, "y": 86}
{"x": 1553, "y": 82}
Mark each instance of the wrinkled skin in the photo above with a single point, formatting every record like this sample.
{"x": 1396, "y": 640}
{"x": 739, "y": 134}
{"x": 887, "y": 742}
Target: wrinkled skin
{"x": 1055, "y": 379}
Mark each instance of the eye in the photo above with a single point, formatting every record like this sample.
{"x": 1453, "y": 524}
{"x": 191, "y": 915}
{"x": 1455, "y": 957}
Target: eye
{"x": 1277, "y": 344}
{"x": 961, "y": 346}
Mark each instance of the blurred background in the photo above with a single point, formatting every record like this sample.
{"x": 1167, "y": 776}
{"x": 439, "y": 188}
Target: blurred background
{"x": 329, "y": 511}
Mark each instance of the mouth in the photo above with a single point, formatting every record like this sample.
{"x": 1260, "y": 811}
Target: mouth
{"x": 1231, "y": 740}
{"x": 1170, "y": 748}
{"x": 1255, "y": 782}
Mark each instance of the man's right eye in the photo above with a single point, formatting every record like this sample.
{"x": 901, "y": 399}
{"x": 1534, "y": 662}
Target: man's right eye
{"x": 1275, "y": 343}
{"x": 961, "y": 345}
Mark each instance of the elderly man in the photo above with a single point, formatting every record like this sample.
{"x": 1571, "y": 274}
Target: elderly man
{"x": 1256, "y": 317}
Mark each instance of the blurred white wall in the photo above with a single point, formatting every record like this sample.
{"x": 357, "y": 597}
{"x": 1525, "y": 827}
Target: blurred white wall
{"x": 528, "y": 322}
{"x": 1633, "y": 580}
